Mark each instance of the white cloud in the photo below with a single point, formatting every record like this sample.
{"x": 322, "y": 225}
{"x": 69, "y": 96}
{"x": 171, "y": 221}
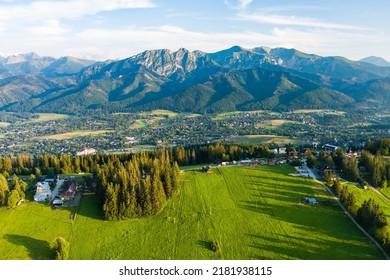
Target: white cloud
{"x": 48, "y": 28}
{"x": 123, "y": 43}
{"x": 102, "y": 44}
{"x": 46, "y": 18}
{"x": 241, "y": 5}
{"x": 293, "y": 21}
{"x": 57, "y": 10}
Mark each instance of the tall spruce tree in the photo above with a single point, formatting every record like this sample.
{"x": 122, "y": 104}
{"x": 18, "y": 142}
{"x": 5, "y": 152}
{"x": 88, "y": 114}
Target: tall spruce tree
{"x": 4, "y": 189}
{"x": 110, "y": 207}
{"x": 147, "y": 208}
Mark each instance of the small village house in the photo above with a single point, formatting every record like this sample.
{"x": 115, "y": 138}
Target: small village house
{"x": 43, "y": 191}
{"x": 86, "y": 151}
{"x": 68, "y": 190}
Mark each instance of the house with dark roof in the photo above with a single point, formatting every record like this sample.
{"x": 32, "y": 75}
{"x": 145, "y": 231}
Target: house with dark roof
{"x": 330, "y": 148}
{"x": 68, "y": 190}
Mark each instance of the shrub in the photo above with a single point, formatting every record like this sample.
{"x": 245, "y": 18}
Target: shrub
{"x": 61, "y": 248}
{"x": 214, "y": 246}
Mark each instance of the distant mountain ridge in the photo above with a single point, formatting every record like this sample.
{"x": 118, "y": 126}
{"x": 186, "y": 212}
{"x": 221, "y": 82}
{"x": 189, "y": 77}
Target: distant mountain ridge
{"x": 33, "y": 64}
{"x": 194, "y": 81}
{"x": 378, "y": 61}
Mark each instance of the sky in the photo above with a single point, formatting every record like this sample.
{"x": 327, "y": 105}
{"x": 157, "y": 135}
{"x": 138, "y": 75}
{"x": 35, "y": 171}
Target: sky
{"x": 115, "y": 29}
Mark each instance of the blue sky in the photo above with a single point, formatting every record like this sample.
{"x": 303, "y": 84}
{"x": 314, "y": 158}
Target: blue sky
{"x": 103, "y": 29}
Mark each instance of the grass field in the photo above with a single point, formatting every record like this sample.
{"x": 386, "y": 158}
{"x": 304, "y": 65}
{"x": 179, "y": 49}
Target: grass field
{"x": 253, "y": 213}
{"x": 43, "y": 117}
{"x": 138, "y": 124}
{"x": 362, "y": 195}
{"x": 4, "y": 124}
{"x": 274, "y": 123}
{"x": 263, "y": 139}
{"x": 73, "y": 134}
{"x": 159, "y": 113}
{"x": 227, "y": 115}
{"x": 386, "y": 192}
{"x": 324, "y": 111}
{"x": 26, "y": 232}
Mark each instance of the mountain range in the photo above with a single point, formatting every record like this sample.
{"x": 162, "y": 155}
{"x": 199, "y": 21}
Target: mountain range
{"x": 232, "y": 79}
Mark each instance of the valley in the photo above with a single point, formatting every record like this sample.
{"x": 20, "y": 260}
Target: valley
{"x": 118, "y": 132}
{"x": 252, "y": 213}
{"x": 258, "y": 106}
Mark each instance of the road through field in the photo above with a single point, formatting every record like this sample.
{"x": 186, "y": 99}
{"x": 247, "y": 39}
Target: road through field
{"x": 315, "y": 177}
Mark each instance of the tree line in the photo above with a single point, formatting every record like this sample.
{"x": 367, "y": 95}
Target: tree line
{"x": 25, "y": 164}
{"x": 218, "y": 152}
{"x": 369, "y": 215}
{"x": 376, "y": 169}
{"x": 370, "y": 166}
{"x": 137, "y": 187}
{"x": 10, "y": 196}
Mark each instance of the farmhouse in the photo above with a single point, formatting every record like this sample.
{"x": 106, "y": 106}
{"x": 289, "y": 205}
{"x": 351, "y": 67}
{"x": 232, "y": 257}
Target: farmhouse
{"x": 207, "y": 169}
{"x": 310, "y": 200}
{"x": 86, "y": 151}
{"x": 131, "y": 140}
{"x": 279, "y": 151}
{"x": 68, "y": 190}
{"x": 330, "y": 148}
{"x": 43, "y": 191}
{"x": 246, "y": 161}
{"x": 272, "y": 162}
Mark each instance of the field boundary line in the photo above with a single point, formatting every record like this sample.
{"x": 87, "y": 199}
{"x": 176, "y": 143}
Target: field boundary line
{"x": 379, "y": 246}
{"x": 380, "y": 193}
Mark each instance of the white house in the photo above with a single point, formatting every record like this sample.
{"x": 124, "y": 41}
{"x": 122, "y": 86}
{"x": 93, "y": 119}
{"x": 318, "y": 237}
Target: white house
{"x": 86, "y": 151}
{"x": 43, "y": 191}
{"x": 311, "y": 200}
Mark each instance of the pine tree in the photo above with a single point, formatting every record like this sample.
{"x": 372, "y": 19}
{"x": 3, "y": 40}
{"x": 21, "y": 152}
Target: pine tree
{"x": 337, "y": 187}
{"x": 110, "y": 207}
{"x": 146, "y": 197}
{"x": 167, "y": 182}
{"x": 351, "y": 169}
{"x": 157, "y": 194}
{"x": 175, "y": 173}
{"x": 20, "y": 186}
{"x": 4, "y": 189}
{"x": 310, "y": 159}
{"x": 7, "y": 164}
{"x": 13, "y": 198}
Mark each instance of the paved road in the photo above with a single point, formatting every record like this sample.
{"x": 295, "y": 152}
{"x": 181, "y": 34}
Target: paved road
{"x": 57, "y": 188}
{"x": 315, "y": 177}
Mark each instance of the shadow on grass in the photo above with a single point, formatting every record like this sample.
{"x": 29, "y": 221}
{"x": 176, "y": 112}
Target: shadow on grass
{"x": 89, "y": 207}
{"x": 37, "y": 249}
{"x": 204, "y": 244}
{"x": 293, "y": 247}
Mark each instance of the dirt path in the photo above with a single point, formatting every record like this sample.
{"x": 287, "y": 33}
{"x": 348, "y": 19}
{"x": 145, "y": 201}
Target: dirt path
{"x": 313, "y": 175}
{"x": 381, "y": 194}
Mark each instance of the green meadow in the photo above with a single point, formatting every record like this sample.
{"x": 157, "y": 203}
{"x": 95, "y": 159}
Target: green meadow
{"x": 362, "y": 195}
{"x": 386, "y": 192}
{"x": 26, "y": 232}
{"x": 263, "y": 139}
{"x": 252, "y": 213}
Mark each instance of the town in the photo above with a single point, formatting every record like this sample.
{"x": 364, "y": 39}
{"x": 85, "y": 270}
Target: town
{"x": 126, "y": 132}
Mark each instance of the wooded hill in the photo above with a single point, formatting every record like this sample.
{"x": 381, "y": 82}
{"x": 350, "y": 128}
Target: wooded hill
{"x": 228, "y": 80}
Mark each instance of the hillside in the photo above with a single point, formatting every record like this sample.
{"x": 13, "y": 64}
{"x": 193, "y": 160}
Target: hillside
{"x": 378, "y": 61}
{"x": 269, "y": 223}
{"x": 252, "y": 90}
{"x": 233, "y": 79}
